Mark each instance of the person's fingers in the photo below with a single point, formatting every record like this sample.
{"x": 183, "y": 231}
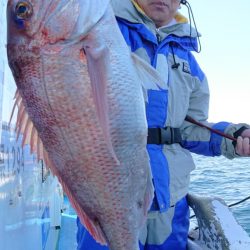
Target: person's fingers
{"x": 245, "y": 146}
{"x": 239, "y": 146}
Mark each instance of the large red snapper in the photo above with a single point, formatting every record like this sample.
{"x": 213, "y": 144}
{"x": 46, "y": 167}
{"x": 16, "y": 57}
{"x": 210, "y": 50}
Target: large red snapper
{"x": 82, "y": 109}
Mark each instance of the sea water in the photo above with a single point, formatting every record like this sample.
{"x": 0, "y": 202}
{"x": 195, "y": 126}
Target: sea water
{"x": 226, "y": 179}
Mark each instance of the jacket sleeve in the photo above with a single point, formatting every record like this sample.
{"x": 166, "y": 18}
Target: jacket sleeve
{"x": 200, "y": 140}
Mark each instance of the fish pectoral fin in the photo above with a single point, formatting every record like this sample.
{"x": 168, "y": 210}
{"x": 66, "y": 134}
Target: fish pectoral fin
{"x": 150, "y": 78}
{"x": 98, "y": 68}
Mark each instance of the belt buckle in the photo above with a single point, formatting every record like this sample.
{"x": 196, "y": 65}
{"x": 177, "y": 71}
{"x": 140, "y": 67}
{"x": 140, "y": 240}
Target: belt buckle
{"x": 166, "y": 135}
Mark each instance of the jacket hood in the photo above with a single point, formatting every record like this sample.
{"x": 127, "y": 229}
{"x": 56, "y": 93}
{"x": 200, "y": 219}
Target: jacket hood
{"x": 131, "y": 11}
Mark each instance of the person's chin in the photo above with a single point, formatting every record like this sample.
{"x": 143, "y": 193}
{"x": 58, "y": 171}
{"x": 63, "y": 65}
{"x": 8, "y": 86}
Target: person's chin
{"x": 159, "y": 16}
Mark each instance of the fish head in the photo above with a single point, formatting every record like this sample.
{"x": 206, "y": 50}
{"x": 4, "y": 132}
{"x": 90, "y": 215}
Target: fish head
{"x": 36, "y": 22}
{"x": 48, "y": 25}
{"x": 35, "y": 27}
{"x": 40, "y": 23}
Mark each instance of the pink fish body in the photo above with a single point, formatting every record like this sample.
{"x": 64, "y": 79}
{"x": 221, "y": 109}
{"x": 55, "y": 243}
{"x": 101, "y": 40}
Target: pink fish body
{"x": 82, "y": 109}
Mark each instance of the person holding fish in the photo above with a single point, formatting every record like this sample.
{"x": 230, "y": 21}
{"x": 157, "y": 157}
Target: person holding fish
{"x": 159, "y": 34}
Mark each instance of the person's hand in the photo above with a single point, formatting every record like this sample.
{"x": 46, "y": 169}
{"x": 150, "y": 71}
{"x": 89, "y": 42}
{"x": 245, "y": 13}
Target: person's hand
{"x": 243, "y": 143}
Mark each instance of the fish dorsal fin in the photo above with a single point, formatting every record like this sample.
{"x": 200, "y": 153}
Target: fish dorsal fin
{"x": 149, "y": 76}
{"x": 25, "y": 126}
{"x": 98, "y": 68}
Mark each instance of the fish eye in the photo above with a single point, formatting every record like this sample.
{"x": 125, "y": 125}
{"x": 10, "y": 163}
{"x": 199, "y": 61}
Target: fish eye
{"x": 23, "y": 10}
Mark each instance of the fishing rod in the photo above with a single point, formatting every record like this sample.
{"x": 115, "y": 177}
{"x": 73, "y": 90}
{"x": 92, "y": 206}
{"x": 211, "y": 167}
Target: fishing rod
{"x": 190, "y": 119}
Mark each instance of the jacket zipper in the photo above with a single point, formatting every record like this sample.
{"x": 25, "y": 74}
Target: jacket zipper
{"x": 158, "y": 37}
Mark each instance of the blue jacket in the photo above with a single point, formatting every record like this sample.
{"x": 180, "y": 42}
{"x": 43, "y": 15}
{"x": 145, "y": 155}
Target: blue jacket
{"x": 170, "y": 50}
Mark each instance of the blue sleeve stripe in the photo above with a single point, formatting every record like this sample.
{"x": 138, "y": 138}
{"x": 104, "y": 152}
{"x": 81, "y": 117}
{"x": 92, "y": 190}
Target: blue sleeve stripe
{"x": 215, "y": 139}
{"x": 207, "y": 148}
{"x": 199, "y": 147}
{"x": 195, "y": 68}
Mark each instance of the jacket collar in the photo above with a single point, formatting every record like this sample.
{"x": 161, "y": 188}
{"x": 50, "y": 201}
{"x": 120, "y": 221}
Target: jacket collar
{"x": 131, "y": 12}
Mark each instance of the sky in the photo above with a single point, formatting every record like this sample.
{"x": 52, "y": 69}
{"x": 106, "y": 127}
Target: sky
{"x": 225, "y": 56}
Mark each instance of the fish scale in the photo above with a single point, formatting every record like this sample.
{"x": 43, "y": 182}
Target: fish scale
{"x": 83, "y": 92}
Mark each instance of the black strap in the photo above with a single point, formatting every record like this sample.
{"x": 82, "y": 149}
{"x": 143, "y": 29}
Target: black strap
{"x": 238, "y": 133}
{"x": 165, "y": 135}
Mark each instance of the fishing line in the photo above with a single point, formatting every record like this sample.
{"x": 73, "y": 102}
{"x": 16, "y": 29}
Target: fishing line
{"x": 239, "y": 202}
